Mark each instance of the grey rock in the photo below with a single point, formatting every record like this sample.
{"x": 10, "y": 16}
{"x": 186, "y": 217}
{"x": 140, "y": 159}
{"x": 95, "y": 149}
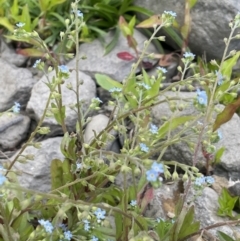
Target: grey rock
{"x": 210, "y": 23}
{"x": 40, "y": 93}
{"x": 36, "y": 174}
{"x": 109, "y": 64}
{"x": 16, "y": 85}
{"x": 13, "y": 129}
{"x": 10, "y": 55}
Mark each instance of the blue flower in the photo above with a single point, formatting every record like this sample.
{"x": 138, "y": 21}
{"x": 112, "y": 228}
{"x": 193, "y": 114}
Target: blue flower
{"x": 209, "y": 180}
{"x": 100, "y": 214}
{"x": 157, "y": 167}
{"x": 20, "y": 25}
{"x": 16, "y": 107}
{"x": 163, "y": 70}
{"x": 79, "y": 13}
{"x": 62, "y": 226}
{"x": 171, "y": 13}
{"x": 143, "y": 147}
{"x": 63, "y": 69}
{"x": 153, "y": 129}
{"x": 97, "y": 100}
{"x": 86, "y": 225}
{"x": 219, "y": 77}
{"x": 200, "y": 181}
{"x": 79, "y": 165}
{"x": 219, "y": 134}
{"x": 68, "y": 235}
{"x": 202, "y": 97}
{"x": 47, "y": 225}
{"x": 37, "y": 62}
{"x": 115, "y": 89}
{"x": 151, "y": 175}
{"x": 188, "y": 55}
{"x": 133, "y": 203}
{"x": 2, "y": 179}
{"x": 94, "y": 238}
{"x": 147, "y": 87}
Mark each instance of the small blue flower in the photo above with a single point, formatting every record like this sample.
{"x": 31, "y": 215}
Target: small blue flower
{"x": 97, "y": 100}
{"x": 143, "y": 147}
{"x": 163, "y": 70}
{"x": 63, "y": 69}
{"x": 152, "y": 175}
{"x": 160, "y": 219}
{"x": 2, "y": 179}
{"x": 63, "y": 226}
{"x": 157, "y": 167}
{"x": 16, "y": 107}
{"x": 100, "y": 214}
{"x": 209, "y": 180}
{"x": 147, "y": 87}
{"x": 37, "y": 62}
{"x": 171, "y": 13}
{"x": 79, "y": 13}
{"x": 115, "y": 89}
{"x": 188, "y": 55}
{"x": 94, "y": 238}
{"x": 133, "y": 203}
{"x": 47, "y": 225}
{"x": 20, "y": 25}
{"x": 219, "y": 77}
{"x": 219, "y": 134}
{"x": 68, "y": 235}
{"x": 86, "y": 225}
{"x": 79, "y": 165}
{"x": 202, "y": 97}
{"x": 153, "y": 129}
{"x": 200, "y": 181}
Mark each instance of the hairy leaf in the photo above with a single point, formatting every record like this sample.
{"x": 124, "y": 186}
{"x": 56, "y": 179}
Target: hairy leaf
{"x": 106, "y": 82}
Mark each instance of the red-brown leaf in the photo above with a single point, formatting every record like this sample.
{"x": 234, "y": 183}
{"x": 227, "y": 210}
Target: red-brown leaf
{"x": 125, "y": 56}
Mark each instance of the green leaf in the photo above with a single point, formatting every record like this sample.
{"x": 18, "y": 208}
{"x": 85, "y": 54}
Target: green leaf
{"x": 110, "y": 46}
{"x": 148, "y": 23}
{"x": 226, "y": 203}
{"x": 226, "y": 114}
{"x": 224, "y": 237}
{"x": 56, "y": 174}
{"x": 31, "y": 52}
{"x": 106, "y": 82}
{"x": 218, "y": 155}
{"x": 5, "y": 23}
{"x": 172, "y": 124}
{"x": 192, "y": 3}
{"x": 188, "y": 225}
{"x": 229, "y": 64}
{"x": 15, "y": 8}
{"x": 119, "y": 225}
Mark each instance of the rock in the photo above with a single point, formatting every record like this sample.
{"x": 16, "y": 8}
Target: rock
{"x": 10, "y": 55}
{"x": 110, "y": 64}
{"x": 13, "y": 129}
{"x": 95, "y": 126}
{"x": 16, "y": 85}
{"x": 36, "y": 174}
{"x": 40, "y": 93}
{"x": 210, "y": 23}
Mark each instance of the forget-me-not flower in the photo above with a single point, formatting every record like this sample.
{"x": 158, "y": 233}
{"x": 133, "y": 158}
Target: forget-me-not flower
{"x": 163, "y": 70}
{"x": 100, "y": 214}
{"x": 37, "y": 62}
{"x": 202, "y": 97}
{"x": 144, "y": 147}
{"x": 63, "y": 69}
{"x": 20, "y": 25}
{"x": 133, "y": 203}
{"x": 68, "y": 235}
{"x": 115, "y": 89}
{"x": 188, "y": 55}
{"x": 153, "y": 129}
{"x": 86, "y": 225}
{"x": 145, "y": 86}
{"x": 16, "y": 107}
{"x": 152, "y": 175}
{"x": 157, "y": 167}
{"x": 47, "y": 225}
{"x": 94, "y": 238}
{"x": 171, "y": 13}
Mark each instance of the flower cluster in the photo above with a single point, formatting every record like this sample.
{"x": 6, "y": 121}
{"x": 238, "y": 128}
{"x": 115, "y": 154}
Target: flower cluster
{"x": 145, "y": 86}
{"x": 170, "y": 13}
{"x": 204, "y": 180}
{"x": 63, "y": 69}
{"x": 47, "y": 225}
{"x": 20, "y": 25}
{"x": 133, "y": 203}
{"x": 67, "y": 235}
{"x": 115, "y": 89}
{"x": 219, "y": 77}
{"x": 153, "y": 173}
{"x": 86, "y": 225}
{"x": 163, "y": 70}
